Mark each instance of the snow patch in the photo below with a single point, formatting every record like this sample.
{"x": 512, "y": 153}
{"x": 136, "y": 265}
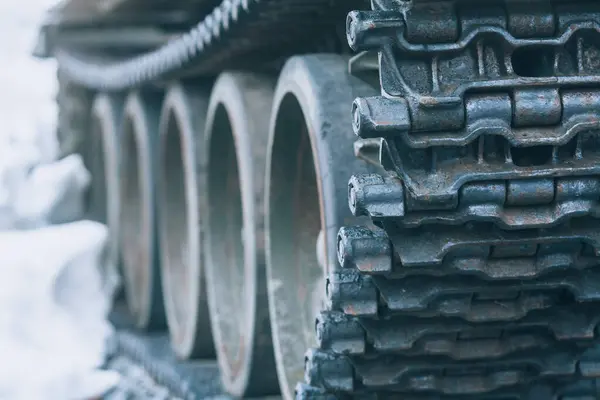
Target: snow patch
{"x": 53, "y": 308}
{"x": 54, "y": 295}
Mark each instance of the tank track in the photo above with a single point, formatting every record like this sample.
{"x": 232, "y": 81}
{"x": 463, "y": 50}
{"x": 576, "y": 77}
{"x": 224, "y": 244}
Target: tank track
{"x": 481, "y": 282}
{"x": 238, "y": 33}
{"x": 149, "y": 369}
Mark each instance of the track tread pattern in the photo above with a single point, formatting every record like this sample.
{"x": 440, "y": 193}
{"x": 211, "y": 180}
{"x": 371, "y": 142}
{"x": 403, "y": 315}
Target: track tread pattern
{"x": 479, "y": 280}
{"x": 152, "y": 352}
{"x": 236, "y": 33}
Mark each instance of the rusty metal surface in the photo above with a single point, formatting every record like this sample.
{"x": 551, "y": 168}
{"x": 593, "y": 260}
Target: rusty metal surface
{"x": 488, "y": 110}
{"x": 138, "y": 210}
{"x": 235, "y": 143}
{"x": 179, "y": 184}
{"x": 482, "y": 282}
{"x": 310, "y": 160}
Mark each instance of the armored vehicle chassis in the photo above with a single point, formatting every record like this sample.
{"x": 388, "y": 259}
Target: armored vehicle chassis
{"x": 412, "y": 216}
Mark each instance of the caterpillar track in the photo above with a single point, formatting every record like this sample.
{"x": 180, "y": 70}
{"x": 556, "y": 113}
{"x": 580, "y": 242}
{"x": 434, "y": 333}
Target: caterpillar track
{"x": 149, "y": 368}
{"x": 417, "y": 220}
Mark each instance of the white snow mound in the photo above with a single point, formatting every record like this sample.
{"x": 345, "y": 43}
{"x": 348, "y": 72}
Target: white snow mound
{"x": 53, "y": 308}
{"x": 51, "y": 194}
{"x": 54, "y": 290}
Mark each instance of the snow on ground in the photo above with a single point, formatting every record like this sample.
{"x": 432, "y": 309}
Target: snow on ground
{"x": 53, "y": 300}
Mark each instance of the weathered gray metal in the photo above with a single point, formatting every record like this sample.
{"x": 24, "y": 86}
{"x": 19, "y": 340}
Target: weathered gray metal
{"x": 477, "y": 278}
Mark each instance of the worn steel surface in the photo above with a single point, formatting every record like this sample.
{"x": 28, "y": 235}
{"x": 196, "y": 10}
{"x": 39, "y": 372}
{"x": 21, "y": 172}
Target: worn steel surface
{"x": 479, "y": 281}
{"x": 482, "y": 283}
{"x": 138, "y": 210}
{"x": 235, "y": 146}
{"x": 103, "y": 162}
{"x": 179, "y": 188}
{"x": 310, "y": 161}
{"x": 151, "y": 371}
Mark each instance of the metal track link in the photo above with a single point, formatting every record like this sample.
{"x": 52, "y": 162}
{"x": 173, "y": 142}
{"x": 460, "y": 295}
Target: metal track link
{"x": 481, "y": 282}
{"x": 151, "y": 370}
{"x": 585, "y": 390}
{"x": 504, "y": 106}
{"x": 237, "y": 33}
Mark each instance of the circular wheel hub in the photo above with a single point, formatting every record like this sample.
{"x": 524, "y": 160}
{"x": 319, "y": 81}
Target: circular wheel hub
{"x": 236, "y": 134}
{"x": 138, "y": 239}
{"x": 180, "y": 229}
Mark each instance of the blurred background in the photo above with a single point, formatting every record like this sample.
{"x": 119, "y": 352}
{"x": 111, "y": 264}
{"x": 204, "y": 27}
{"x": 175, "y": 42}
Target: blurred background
{"x": 27, "y": 105}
